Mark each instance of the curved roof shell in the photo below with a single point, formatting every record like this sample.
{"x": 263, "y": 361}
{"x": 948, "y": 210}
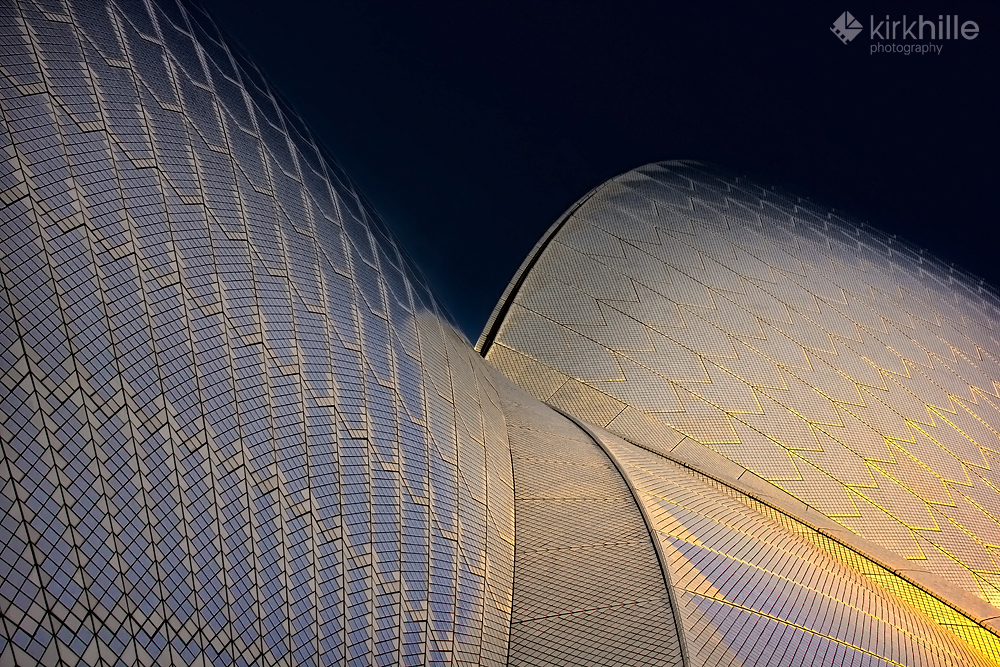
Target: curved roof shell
{"x": 699, "y": 313}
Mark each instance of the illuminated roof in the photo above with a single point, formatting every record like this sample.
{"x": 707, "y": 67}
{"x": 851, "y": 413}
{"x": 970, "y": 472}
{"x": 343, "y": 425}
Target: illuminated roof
{"x": 237, "y": 428}
{"x": 695, "y": 312}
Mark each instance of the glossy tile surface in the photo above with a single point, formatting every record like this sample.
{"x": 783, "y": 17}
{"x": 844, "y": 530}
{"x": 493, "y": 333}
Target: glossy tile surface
{"x": 588, "y": 585}
{"x": 238, "y": 429}
{"x": 752, "y": 592}
{"x": 236, "y": 426}
{"x": 845, "y": 367}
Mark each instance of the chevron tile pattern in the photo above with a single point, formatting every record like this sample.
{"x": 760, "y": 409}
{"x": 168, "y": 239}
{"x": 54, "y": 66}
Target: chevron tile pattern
{"x": 847, "y": 368}
{"x": 739, "y": 574}
{"x": 236, "y": 427}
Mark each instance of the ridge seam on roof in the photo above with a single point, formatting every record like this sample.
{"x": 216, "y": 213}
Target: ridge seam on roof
{"x": 660, "y": 556}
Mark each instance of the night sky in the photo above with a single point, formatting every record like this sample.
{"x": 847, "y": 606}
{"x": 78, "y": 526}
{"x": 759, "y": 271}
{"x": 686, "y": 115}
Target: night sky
{"x": 472, "y": 126}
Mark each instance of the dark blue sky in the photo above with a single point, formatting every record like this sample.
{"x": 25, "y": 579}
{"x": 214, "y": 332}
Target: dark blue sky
{"x": 472, "y": 126}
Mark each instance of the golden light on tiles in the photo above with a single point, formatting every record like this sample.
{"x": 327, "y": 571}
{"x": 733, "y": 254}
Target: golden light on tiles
{"x": 847, "y": 368}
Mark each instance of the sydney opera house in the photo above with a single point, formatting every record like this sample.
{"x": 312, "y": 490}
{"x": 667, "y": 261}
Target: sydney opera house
{"x": 709, "y": 422}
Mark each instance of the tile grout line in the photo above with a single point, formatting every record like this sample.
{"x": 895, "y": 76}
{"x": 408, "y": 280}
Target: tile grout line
{"x": 674, "y": 606}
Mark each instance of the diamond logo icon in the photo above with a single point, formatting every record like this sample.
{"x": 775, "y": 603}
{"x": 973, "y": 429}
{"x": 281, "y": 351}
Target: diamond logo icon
{"x": 846, "y": 27}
